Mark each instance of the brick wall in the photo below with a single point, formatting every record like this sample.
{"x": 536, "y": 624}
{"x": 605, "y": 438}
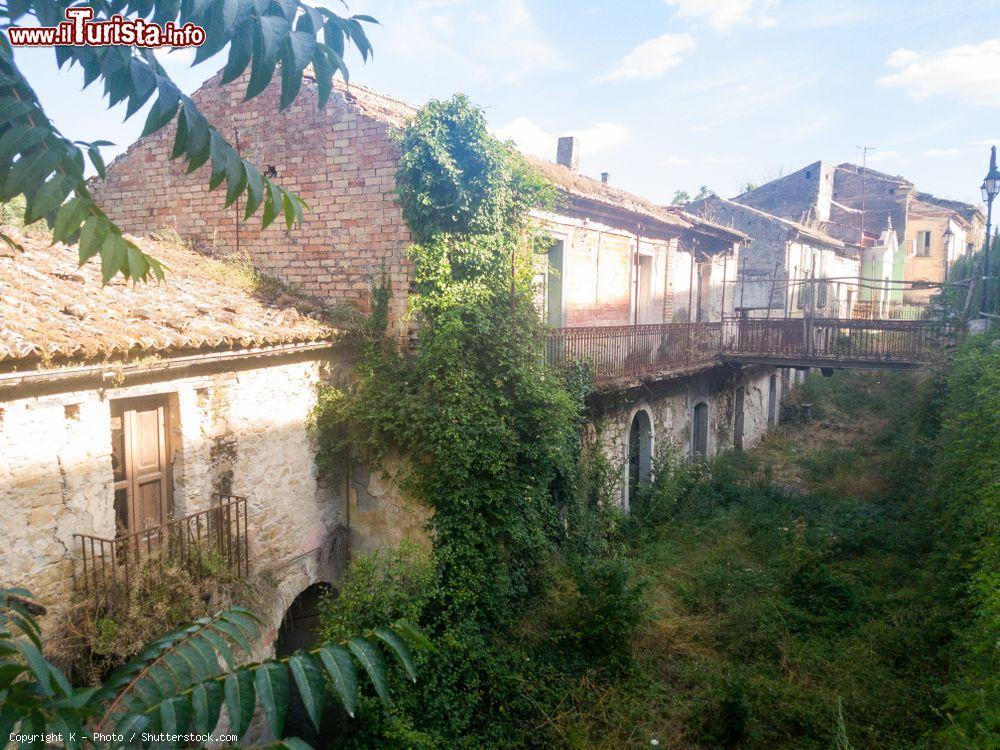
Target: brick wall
{"x": 341, "y": 162}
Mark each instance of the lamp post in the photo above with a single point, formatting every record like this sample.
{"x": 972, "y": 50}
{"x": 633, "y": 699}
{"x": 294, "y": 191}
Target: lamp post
{"x": 990, "y": 188}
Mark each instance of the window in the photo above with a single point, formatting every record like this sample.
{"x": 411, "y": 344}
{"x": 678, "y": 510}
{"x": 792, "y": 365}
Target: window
{"x": 821, "y": 293}
{"x": 738, "y": 417}
{"x": 922, "y": 244}
{"x": 640, "y": 453}
{"x": 554, "y": 286}
{"x": 772, "y": 400}
{"x": 699, "y": 432}
{"x": 140, "y": 463}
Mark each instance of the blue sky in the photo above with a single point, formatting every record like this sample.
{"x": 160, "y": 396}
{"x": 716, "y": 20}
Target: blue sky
{"x": 674, "y": 94}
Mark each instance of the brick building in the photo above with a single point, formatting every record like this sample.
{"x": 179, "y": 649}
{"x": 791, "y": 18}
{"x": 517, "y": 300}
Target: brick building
{"x": 857, "y": 204}
{"x": 617, "y": 261}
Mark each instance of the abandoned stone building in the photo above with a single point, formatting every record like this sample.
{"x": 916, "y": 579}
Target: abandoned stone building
{"x": 617, "y": 262}
{"x": 857, "y": 204}
{"x": 788, "y": 269}
{"x": 130, "y": 416}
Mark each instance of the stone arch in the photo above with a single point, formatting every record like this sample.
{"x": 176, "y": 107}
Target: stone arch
{"x": 638, "y": 453}
{"x": 300, "y": 623}
{"x": 300, "y": 630}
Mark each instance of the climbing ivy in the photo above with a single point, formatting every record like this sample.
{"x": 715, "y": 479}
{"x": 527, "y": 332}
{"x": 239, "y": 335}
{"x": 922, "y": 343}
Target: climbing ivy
{"x": 490, "y": 432}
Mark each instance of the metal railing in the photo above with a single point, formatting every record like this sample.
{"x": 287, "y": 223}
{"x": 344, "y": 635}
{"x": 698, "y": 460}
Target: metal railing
{"x": 842, "y": 340}
{"x": 201, "y": 542}
{"x": 631, "y": 351}
{"x": 617, "y": 352}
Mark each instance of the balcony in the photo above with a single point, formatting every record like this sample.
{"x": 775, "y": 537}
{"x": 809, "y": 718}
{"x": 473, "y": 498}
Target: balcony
{"x": 629, "y": 352}
{"x": 197, "y": 541}
{"x": 622, "y": 354}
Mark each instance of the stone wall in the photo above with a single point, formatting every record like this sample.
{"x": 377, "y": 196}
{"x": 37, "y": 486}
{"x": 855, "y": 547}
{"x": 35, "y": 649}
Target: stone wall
{"x": 670, "y": 405}
{"x": 241, "y": 431}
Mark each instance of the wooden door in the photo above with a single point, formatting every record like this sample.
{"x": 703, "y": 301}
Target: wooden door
{"x": 142, "y": 472}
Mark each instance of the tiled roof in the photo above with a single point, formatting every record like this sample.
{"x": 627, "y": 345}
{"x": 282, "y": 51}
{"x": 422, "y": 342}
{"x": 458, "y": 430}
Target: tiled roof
{"x": 51, "y": 310}
{"x": 395, "y": 112}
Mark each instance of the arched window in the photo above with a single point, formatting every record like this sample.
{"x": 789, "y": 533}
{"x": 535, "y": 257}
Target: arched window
{"x": 699, "y": 432}
{"x": 640, "y": 453}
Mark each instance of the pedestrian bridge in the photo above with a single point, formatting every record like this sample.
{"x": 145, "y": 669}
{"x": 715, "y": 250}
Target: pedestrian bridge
{"x": 644, "y": 352}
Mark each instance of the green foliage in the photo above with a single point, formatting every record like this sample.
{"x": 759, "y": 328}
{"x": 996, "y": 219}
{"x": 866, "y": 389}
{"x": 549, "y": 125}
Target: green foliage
{"x": 181, "y": 681}
{"x": 47, "y": 168}
{"x": 681, "y": 197}
{"x": 966, "y": 474}
{"x": 379, "y": 587}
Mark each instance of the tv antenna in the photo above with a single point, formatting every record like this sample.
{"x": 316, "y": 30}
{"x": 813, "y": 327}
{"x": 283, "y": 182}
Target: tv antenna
{"x": 864, "y": 175}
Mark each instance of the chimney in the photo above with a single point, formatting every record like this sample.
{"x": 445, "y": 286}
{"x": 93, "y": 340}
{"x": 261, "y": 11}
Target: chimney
{"x": 604, "y": 177}
{"x": 568, "y": 152}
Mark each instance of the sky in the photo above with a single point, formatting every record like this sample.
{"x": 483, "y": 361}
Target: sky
{"x": 670, "y": 95}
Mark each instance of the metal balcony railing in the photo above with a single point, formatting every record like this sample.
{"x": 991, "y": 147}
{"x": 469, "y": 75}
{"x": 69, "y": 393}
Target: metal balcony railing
{"x": 615, "y": 352}
{"x": 200, "y": 542}
{"x": 632, "y": 351}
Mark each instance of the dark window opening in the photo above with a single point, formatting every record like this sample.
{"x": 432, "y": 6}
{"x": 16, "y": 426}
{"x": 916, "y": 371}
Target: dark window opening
{"x": 699, "y": 430}
{"x": 640, "y": 453}
{"x": 772, "y": 399}
{"x": 738, "y": 417}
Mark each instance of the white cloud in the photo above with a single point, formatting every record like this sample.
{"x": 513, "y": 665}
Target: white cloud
{"x": 969, "y": 72}
{"x": 676, "y": 161}
{"x": 723, "y": 159}
{"x": 652, "y": 58}
{"x": 532, "y": 138}
{"x": 901, "y": 57}
{"x": 942, "y": 152}
{"x": 723, "y": 15}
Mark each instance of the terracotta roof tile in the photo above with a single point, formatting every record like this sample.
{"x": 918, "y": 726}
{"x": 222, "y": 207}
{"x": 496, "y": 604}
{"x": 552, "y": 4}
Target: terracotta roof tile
{"x": 52, "y": 310}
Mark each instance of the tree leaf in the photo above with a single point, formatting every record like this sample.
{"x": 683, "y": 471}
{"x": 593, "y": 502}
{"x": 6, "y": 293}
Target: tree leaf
{"x": 175, "y": 715}
{"x": 399, "y": 647}
{"x": 206, "y": 702}
{"x": 239, "y": 691}
{"x": 370, "y": 657}
{"x": 71, "y": 215}
{"x": 92, "y": 236}
{"x": 271, "y": 681}
{"x": 255, "y": 189}
{"x": 113, "y": 256}
{"x": 340, "y": 666}
{"x": 309, "y": 679}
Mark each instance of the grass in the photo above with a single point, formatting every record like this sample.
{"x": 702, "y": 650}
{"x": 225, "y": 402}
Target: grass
{"x": 792, "y": 595}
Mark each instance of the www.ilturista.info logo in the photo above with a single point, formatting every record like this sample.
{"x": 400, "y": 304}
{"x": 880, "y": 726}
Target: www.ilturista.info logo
{"x": 79, "y": 30}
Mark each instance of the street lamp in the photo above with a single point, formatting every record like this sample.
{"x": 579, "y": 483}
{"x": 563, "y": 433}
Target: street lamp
{"x": 990, "y": 188}
{"x": 947, "y": 237}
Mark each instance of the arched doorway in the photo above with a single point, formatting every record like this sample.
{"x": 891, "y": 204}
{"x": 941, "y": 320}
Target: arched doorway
{"x": 699, "y": 432}
{"x": 640, "y": 453}
{"x": 300, "y": 631}
{"x": 300, "y": 625}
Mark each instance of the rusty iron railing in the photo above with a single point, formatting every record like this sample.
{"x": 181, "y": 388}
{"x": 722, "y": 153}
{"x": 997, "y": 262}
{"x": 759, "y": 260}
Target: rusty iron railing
{"x": 840, "y": 340}
{"x": 200, "y": 542}
{"x": 629, "y": 351}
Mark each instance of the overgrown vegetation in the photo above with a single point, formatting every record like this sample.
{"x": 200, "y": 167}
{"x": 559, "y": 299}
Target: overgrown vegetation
{"x": 178, "y": 685}
{"x": 104, "y": 629}
{"x": 792, "y": 598}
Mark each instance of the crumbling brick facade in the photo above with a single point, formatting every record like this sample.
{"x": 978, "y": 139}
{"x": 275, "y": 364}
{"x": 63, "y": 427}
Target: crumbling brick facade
{"x": 340, "y": 161}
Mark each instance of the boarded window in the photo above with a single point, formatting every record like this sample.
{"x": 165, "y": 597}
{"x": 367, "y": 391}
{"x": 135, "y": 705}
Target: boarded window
{"x": 140, "y": 463}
